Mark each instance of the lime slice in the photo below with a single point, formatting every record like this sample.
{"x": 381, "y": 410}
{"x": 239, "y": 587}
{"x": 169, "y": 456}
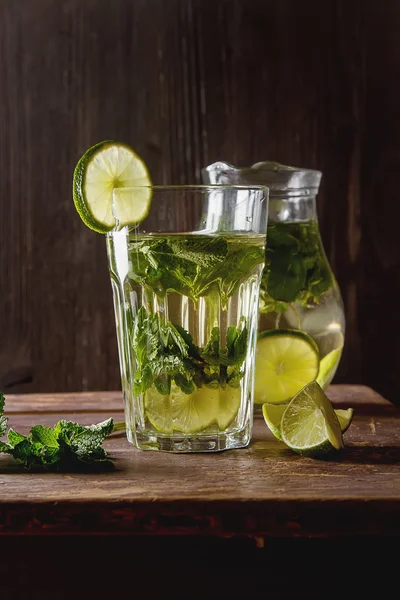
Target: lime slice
{"x": 191, "y": 413}
{"x": 103, "y": 168}
{"x": 195, "y": 412}
{"x": 345, "y": 417}
{"x": 286, "y": 360}
{"x": 273, "y": 414}
{"x": 328, "y": 366}
{"x": 130, "y": 206}
{"x": 228, "y": 406}
{"x": 159, "y": 410}
{"x": 309, "y": 424}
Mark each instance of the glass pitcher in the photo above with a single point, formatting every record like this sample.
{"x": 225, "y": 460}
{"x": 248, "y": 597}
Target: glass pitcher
{"x": 301, "y": 317}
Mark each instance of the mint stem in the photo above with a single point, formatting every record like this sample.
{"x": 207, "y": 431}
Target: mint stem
{"x": 120, "y": 426}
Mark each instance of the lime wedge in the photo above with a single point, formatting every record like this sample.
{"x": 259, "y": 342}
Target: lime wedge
{"x": 309, "y": 424}
{"x": 328, "y": 366}
{"x": 273, "y": 414}
{"x": 286, "y": 360}
{"x": 191, "y": 413}
{"x": 105, "y": 167}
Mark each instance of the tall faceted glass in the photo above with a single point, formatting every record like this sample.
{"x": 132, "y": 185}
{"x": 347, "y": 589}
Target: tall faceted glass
{"x": 301, "y": 317}
{"x": 186, "y": 285}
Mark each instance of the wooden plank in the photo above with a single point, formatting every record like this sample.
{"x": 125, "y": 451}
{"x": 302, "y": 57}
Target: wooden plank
{"x": 263, "y": 490}
{"x": 60, "y": 403}
{"x": 194, "y": 81}
{"x": 341, "y": 395}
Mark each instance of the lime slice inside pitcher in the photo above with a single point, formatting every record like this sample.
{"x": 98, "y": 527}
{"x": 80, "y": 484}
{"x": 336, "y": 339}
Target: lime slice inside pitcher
{"x": 109, "y": 187}
{"x": 286, "y": 361}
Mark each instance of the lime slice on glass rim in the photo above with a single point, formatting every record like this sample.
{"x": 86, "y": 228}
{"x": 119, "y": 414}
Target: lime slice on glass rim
{"x": 191, "y": 413}
{"x": 286, "y": 360}
{"x": 273, "y": 414}
{"x": 309, "y": 424}
{"x": 111, "y": 187}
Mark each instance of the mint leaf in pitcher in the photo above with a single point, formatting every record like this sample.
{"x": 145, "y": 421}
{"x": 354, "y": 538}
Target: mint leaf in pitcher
{"x": 295, "y": 266}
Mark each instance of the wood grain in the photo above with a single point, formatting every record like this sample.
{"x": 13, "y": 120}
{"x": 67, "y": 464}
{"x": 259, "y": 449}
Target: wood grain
{"x": 265, "y": 489}
{"x": 187, "y": 82}
{"x": 341, "y": 395}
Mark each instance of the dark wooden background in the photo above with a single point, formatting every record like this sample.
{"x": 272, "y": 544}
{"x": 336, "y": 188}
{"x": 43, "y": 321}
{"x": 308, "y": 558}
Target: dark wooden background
{"x": 187, "y": 82}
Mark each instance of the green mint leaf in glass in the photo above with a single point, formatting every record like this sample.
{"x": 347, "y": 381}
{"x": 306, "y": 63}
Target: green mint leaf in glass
{"x": 240, "y": 343}
{"x": 163, "y": 384}
{"x": 166, "y": 355}
{"x": 205, "y": 252}
{"x": 192, "y": 266}
{"x": 211, "y": 352}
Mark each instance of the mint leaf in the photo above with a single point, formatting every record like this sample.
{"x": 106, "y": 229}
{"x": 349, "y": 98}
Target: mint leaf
{"x": 186, "y": 384}
{"x": 86, "y": 442}
{"x": 31, "y": 454}
{"x": 236, "y": 344}
{"x": 67, "y": 446}
{"x": 192, "y": 266}
{"x": 193, "y": 350}
{"x": 296, "y": 268}
{"x": 163, "y": 384}
{"x": 165, "y": 354}
{"x": 240, "y": 264}
{"x": 203, "y": 251}
{"x": 43, "y": 435}
{"x": 287, "y": 276}
{"x": 211, "y": 352}
{"x": 15, "y": 438}
{"x": 4, "y": 447}
{"x": 235, "y": 377}
{"x": 240, "y": 343}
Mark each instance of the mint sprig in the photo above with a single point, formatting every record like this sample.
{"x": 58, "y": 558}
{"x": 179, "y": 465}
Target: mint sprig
{"x": 165, "y": 354}
{"x": 193, "y": 266}
{"x": 67, "y": 446}
{"x": 296, "y": 268}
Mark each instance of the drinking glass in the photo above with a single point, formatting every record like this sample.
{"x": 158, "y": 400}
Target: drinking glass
{"x": 186, "y": 286}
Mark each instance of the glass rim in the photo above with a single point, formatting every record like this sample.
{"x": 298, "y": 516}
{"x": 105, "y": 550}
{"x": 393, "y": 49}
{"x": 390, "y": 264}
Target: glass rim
{"x": 201, "y": 187}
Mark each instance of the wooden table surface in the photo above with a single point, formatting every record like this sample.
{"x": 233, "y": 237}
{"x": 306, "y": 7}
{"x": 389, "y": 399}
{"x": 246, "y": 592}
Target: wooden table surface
{"x": 263, "y": 490}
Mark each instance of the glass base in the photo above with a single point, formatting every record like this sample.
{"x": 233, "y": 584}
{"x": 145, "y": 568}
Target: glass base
{"x": 196, "y": 443}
